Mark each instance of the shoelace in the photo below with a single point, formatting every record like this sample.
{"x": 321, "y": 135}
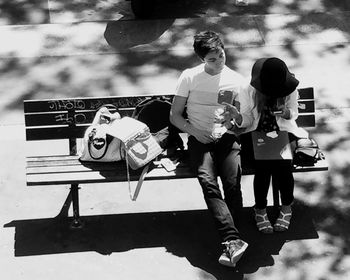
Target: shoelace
{"x": 227, "y": 246}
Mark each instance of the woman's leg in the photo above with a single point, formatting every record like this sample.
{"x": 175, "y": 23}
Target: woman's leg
{"x": 283, "y": 178}
{"x": 261, "y": 183}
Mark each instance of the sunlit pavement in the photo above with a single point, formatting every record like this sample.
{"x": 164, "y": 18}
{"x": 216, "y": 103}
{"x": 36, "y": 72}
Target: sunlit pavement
{"x": 58, "y": 49}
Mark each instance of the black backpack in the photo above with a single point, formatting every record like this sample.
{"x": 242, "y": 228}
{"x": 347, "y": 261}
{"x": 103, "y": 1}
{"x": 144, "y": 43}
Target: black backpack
{"x": 154, "y": 112}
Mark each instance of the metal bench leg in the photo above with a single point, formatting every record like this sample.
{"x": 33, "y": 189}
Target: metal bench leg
{"x": 77, "y": 223}
{"x": 65, "y": 208}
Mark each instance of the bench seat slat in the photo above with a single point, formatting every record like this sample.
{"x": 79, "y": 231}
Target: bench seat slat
{"x": 306, "y": 106}
{"x": 306, "y": 93}
{"x": 59, "y": 172}
{"x": 100, "y": 177}
{"x": 306, "y": 120}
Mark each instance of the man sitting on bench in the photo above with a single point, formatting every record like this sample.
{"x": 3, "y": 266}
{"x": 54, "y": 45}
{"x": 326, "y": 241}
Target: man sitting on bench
{"x": 213, "y": 150}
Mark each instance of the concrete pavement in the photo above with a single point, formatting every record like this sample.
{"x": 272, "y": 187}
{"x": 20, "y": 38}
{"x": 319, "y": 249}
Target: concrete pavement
{"x": 59, "y": 49}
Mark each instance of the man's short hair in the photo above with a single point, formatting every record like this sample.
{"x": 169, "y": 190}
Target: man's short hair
{"x": 205, "y": 42}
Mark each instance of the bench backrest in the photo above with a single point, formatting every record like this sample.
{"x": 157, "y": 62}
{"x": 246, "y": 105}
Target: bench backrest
{"x": 68, "y": 118}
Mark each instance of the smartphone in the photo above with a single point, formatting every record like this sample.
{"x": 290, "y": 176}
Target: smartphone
{"x": 277, "y": 111}
{"x": 225, "y": 96}
{"x": 168, "y": 164}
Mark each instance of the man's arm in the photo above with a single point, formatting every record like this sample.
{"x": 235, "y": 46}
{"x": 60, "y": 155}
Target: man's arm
{"x": 177, "y": 119}
{"x": 245, "y": 115}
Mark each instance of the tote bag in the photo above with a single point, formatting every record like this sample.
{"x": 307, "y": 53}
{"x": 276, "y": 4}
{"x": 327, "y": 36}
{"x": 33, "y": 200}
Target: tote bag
{"x": 139, "y": 144}
{"x": 97, "y": 145}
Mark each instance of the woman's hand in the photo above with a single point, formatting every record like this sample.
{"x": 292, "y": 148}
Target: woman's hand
{"x": 232, "y": 110}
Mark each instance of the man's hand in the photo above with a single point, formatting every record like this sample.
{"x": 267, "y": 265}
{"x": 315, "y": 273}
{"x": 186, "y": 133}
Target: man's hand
{"x": 203, "y": 136}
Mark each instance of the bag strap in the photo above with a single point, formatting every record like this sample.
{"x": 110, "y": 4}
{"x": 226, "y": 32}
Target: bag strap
{"x": 108, "y": 106}
{"x": 144, "y": 172}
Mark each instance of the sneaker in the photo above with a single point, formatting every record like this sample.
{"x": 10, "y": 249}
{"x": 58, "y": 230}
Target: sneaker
{"x": 233, "y": 252}
{"x": 242, "y": 2}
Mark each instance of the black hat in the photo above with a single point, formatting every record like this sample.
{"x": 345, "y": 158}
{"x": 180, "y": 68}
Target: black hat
{"x": 272, "y": 78}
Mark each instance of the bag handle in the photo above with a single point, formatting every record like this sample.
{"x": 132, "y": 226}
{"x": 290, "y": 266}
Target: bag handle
{"x": 140, "y": 138}
{"x": 99, "y": 114}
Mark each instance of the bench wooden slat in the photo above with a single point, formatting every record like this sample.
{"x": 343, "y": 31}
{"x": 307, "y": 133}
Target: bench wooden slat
{"x": 76, "y": 166}
{"x": 83, "y": 103}
{"x": 55, "y": 105}
{"x": 306, "y": 93}
{"x": 321, "y": 165}
{"x": 64, "y": 118}
{"x": 66, "y": 132}
{"x": 100, "y": 177}
{"x": 48, "y": 133}
{"x": 306, "y": 120}
{"x": 306, "y": 106}
{"x": 68, "y": 170}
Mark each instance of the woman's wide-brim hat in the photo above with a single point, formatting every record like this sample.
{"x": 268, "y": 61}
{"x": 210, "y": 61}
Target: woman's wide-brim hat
{"x": 272, "y": 78}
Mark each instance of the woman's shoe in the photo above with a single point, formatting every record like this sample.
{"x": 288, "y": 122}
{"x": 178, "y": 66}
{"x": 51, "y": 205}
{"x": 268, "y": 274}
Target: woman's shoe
{"x": 283, "y": 220}
{"x": 262, "y": 221}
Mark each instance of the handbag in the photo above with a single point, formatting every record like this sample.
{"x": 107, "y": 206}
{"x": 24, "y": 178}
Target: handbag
{"x": 112, "y": 138}
{"x": 97, "y": 145}
{"x": 139, "y": 144}
{"x": 154, "y": 112}
{"x": 307, "y": 152}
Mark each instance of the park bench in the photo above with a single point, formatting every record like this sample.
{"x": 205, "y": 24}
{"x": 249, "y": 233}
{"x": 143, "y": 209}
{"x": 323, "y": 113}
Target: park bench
{"x": 68, "y": 118}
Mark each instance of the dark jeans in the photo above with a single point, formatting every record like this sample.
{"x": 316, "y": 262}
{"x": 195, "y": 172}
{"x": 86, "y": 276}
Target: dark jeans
{"x": 209, "y": 161}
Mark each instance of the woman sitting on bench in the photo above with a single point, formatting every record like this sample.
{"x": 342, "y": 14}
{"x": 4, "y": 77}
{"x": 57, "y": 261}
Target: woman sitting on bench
{"x": 274, "y": 96}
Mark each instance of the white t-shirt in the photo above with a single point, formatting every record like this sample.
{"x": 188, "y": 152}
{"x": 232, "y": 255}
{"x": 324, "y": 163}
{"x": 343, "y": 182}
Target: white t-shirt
{"x": 201, "y": 91}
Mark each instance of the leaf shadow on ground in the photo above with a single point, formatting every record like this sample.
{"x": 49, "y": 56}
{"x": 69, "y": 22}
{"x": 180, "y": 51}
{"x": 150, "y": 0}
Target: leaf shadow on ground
{"x": 189, "y": 234}
{"x": 66, "y": 79}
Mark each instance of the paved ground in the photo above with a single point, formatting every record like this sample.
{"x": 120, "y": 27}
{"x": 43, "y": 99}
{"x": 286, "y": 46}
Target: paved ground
{"x": 97, "y": 48}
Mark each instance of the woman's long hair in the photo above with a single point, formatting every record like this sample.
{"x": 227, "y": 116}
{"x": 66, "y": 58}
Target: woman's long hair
{"x": 262, "y": 100}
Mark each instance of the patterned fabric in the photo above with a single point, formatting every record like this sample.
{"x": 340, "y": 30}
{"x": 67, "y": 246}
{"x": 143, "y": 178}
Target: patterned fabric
{"x": 267, "y": 121}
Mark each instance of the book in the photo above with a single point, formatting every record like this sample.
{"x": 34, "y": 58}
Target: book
{"x": 273, "y": 145}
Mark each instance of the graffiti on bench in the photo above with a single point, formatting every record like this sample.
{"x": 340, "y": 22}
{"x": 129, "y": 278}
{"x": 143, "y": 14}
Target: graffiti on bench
{"x": 93, "y": 104}
{"x": 79, "y": 118}
{"x": 82, "y": 111}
